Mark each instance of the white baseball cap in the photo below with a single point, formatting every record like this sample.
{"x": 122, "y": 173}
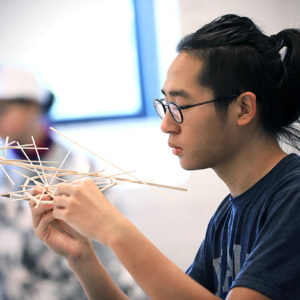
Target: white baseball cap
{"x": 20, "y": 83}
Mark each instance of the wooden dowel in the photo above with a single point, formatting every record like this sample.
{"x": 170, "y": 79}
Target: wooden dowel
{"x": 153, "y": 184}
{"x": 27, "y": 177}
{"x": 112, "y": 164}
{"x": 29, "y": 160}
{"x": 9, "y": 178}
{"x": 61, "y": 164}
{"x": 25, "y": 148}
{"x": 39, "y": 159}
{"x": 24, "y": 160}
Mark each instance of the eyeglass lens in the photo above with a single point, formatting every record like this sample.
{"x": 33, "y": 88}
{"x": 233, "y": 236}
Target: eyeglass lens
{"x": 175, "y": 112}
{"x": 161, "y": 108}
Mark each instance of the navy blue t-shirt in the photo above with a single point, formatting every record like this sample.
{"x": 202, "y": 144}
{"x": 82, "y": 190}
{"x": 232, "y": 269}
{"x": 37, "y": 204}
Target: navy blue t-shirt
{"x": 253, "y": 240}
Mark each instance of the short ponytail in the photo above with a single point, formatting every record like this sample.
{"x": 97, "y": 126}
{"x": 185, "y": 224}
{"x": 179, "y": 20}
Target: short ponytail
{"x": 291, "y": 63}
{"x": 290, "y": 57}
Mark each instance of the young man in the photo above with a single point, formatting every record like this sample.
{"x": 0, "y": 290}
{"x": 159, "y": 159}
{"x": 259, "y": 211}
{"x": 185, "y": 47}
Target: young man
{"x": 229, "y": 95}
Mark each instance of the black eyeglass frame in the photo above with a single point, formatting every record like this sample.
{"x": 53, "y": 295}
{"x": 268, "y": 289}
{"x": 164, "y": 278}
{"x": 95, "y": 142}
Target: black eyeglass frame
{"x": 181, "y": 107}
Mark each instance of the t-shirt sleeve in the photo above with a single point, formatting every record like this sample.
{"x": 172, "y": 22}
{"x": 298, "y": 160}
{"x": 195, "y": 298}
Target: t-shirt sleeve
{"x": 273, "y": 265}
{"x": 196, "y": 269}
{"x": 200, "y": 270}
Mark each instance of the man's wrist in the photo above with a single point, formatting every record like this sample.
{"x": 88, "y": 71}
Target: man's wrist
{"x": 87, "y": 254}
{"x": 122, "y": 232}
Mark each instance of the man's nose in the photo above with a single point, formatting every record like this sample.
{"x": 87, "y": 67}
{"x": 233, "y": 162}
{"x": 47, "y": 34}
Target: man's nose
{"x": 168, "y": 124}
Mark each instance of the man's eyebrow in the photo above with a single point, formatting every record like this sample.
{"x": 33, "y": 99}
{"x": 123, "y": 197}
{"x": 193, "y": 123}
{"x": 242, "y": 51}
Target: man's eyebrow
{"x": 177, "y": 93}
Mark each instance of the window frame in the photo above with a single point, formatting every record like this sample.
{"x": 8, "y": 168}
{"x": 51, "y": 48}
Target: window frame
{"x": 147, "y": 63}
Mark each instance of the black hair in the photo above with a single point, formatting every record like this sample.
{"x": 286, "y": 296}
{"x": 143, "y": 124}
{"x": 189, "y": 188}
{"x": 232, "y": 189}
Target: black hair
{"x": 237, "y": 56}
{"x": 48, "y": 102}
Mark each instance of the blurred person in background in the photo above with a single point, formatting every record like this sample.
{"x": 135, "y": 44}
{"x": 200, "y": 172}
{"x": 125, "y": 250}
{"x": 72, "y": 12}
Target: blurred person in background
{"x": 28, "y": 269}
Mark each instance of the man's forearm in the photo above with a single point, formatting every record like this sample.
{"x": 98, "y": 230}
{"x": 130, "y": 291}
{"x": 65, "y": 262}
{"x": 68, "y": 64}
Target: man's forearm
{"x": 156, "y": 274}
{"x": 95, "y": 280}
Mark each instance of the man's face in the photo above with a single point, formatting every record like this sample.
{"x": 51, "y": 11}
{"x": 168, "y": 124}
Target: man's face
{"x": 18, "y": 120}
{"x": 204, "y": 139}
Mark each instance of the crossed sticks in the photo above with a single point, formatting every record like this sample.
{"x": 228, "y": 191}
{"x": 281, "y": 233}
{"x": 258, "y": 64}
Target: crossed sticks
{"x": 47, "y": 178}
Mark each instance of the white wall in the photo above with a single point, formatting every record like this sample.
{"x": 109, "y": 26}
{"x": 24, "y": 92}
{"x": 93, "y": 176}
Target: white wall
{"x": 271, "y": 15}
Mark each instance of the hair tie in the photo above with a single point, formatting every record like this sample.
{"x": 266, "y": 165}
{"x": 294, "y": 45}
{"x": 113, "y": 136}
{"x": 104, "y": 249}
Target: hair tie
{"x": 274, "y": 37}
{"x": 278, "y": 40}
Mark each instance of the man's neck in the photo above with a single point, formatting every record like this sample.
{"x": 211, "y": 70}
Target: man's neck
{"x": 249, "y": 165}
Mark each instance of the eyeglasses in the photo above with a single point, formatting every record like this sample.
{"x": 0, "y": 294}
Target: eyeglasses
{"x": 175, "y": 110}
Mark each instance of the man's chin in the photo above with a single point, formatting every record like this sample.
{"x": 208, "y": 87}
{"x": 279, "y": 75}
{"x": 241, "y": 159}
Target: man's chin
{"x": 192, "y": 166}
{"x": 186, "y": 166}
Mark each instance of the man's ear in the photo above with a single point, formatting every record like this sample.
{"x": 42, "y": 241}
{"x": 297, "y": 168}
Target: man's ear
{"x": 246, "y": 107}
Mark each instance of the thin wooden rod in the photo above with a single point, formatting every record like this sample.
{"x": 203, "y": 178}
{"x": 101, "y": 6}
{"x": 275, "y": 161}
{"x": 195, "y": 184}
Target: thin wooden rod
{"x": 112, "y": 164}
{"x": 39, "y": 159}
{"x": 26, "y": 147}
{"x": 30, "y": 161}
{"x": 61, "y": 164}
{"x": 9, "y": 178}
{"x": 6, "y": 143}
{"x": 29, "y": 178}
{"x": 153, "y": 184}
{"x": 25, "y": 160}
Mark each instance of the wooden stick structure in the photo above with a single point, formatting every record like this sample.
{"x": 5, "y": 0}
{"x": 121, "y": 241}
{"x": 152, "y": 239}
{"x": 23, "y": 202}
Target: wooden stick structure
{"x": 45, "y": 176}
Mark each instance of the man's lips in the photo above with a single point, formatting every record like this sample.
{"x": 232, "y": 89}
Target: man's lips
{"x": 176, "y": 150}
